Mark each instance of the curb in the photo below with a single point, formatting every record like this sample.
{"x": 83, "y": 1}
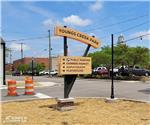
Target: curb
{"x": 31, "y": 99}
{"x": 124, "y": 99}
{"x": 22, "y": 87}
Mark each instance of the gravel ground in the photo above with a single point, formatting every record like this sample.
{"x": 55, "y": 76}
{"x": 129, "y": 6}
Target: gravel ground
{"x": 86, "y": 112}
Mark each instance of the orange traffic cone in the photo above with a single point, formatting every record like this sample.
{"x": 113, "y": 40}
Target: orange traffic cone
{"x": 12, "y": 88}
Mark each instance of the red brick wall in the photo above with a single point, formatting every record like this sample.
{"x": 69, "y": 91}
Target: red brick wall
{"x": 8, "y": 67}
{"x": 27, "y": 60}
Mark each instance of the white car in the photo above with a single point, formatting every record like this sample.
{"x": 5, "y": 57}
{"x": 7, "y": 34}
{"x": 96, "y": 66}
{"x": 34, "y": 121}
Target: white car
{"x": 52, "y": 72}
{"x": 41, "y": 73}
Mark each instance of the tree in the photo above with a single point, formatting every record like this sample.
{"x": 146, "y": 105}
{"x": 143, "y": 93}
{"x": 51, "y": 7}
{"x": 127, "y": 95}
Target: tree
{"x": 39, "y": 67}
{"x": 138, "y": 56}
{"x": 23, "y": 68}
{"x": 120, "y": 54}
{"x": 123, "y": 55}
{"x": 101, "y": 58}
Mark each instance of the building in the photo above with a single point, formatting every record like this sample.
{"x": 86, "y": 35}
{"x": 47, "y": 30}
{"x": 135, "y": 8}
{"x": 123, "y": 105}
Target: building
{"x": 8, "y": 67}
{"x": 28, "y": 60}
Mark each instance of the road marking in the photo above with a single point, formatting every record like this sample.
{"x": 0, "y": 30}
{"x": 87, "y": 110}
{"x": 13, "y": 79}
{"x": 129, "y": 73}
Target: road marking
{"x": 131, "y": 81}
{"x": 40, "y": 95}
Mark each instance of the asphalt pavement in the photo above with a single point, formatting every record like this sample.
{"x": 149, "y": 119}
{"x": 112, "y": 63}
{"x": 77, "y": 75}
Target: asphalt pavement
{"x": 136, "y": 90}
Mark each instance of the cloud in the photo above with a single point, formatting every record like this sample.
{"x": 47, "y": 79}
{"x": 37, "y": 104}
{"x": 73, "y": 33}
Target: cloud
{"x": 96, "y": 6}
{"x": 50, "y": 23}
{"x": 17, "y": 47}
{"x": 137, "y": 34}
{"x": 76, "y": 20}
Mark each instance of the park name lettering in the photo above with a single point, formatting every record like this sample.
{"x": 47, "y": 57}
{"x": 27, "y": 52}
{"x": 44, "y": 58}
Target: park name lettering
{"x": 78, "y": 34}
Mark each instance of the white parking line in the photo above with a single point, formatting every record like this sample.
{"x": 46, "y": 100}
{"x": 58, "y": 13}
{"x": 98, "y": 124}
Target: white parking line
{"x": 40, "y": 95}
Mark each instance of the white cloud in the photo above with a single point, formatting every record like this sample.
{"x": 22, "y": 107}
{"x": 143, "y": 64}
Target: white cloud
{"x": 96, "y": 6}
{"x": 17, "y": 47}
{"x": 76, "y": 20}
{"x": 137, "y": 34}
{"x": 50, "y": 23}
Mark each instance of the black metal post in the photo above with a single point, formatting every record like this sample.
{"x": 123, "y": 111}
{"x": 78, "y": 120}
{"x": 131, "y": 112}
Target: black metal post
{"x": 50, "y": 59}
{"x": 4, "y": 49}
{"x": 112, "y": 74}
{"x": 65, "y": 77}
{"x": 87, "y": 50}
{"x": 32, "y": 68}
{"x": 65, "y": 45}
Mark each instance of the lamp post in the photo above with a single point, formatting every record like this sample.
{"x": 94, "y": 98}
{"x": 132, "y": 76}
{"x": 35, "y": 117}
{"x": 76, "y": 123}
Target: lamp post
{"x": 50, "y": 59}
{"x": 112, "y": 63}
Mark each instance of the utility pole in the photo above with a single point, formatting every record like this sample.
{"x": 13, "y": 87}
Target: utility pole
{"x": 10, "y": 55}
{"x": 50, "y": 58}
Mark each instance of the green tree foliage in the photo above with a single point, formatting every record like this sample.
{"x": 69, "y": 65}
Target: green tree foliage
{"x": 23, "y": 68}
{"x": 123, "y": 55}
{"x": 102, "y": 57}
{"x": 27, "y": 67}
{"x": 39, "y": 67}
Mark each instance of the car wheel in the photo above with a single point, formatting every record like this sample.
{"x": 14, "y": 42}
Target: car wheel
{"x": 146, "y": 74}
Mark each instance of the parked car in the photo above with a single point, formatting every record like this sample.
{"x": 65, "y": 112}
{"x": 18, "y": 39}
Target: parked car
{"x": 100, "y": 71}
{"x": 41, "y": 73}
{"x": 115, "y": 71}
{"x": 52, "y": 72}
{"x": 16, "y": 73}
{"x": 136, "y": 70}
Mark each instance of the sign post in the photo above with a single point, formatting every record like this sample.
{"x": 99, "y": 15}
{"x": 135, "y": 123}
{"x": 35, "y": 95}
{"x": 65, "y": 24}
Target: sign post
{"x": 69, "y": 78}
{"x": 70, "y": 75}
{"x": 71, "y": 66}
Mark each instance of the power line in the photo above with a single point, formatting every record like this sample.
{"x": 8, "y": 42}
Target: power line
{"x": 42, "y": 37}
{"x": 141, "y": 36}
{"x": 32, "y": 38}
{"x": 130, "y": 28}
{"x": 113, "y": 24}
{"x": 107, "y": 26}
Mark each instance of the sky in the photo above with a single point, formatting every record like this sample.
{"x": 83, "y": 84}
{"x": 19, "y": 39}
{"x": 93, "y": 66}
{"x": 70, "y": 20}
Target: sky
{"x": 29, "y": 19}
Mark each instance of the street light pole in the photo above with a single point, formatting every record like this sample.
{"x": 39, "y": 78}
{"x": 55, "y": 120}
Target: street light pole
{"x": 50, "y": 59}
{"x": 21, "y": 50}
{"x": 112, "y": 62}
{"x": 32, "y": 67}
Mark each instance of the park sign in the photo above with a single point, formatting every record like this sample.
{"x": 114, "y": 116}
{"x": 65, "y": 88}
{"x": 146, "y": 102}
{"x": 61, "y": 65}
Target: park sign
{"x": 69, "y": 65}
{"x": 74, "y": 34}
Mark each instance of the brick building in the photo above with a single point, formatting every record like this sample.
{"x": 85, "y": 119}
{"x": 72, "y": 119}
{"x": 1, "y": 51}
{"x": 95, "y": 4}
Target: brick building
{"x": 28, "y": 60}
{"x": 8, "y": 67}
